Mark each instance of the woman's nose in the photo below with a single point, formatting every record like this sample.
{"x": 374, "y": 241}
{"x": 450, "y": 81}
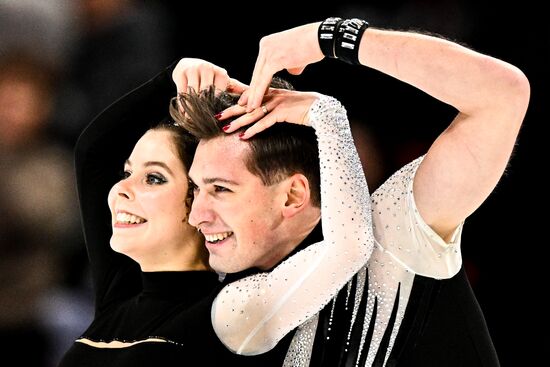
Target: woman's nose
{"x": 123, "y": 189}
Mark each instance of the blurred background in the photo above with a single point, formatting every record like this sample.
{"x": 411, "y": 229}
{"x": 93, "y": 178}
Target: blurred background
{"x": 63, "y": 61}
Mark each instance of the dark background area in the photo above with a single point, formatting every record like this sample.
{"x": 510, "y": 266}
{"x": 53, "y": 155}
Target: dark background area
{"x": 109, "y": 49}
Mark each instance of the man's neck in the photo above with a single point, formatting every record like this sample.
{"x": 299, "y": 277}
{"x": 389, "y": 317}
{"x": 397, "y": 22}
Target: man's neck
{"x": 309, "y": 232}
{"x": 296, "y": 236}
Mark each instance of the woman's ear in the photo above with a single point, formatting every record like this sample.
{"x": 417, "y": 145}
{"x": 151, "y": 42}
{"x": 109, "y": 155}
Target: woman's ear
{"x": 297, "y": 195}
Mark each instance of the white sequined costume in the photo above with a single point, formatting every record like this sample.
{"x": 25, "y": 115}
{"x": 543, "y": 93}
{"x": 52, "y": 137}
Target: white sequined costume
{"x": 412, "y": 277}
{"x": 251, "y": 315}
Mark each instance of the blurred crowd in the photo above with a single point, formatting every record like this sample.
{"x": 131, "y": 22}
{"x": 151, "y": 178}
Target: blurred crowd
{"x": 61, "y": 63}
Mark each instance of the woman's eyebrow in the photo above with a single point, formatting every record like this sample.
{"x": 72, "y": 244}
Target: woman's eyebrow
{"x": 153, "y": 163}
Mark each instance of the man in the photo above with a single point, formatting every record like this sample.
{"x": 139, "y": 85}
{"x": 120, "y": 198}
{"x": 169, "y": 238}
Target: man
{"x": 411, "y": 304}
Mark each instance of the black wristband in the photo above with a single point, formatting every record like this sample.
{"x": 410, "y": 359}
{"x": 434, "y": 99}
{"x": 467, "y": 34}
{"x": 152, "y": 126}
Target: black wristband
{"x": 327, "y": 36}
{"x": 348, "y": 38}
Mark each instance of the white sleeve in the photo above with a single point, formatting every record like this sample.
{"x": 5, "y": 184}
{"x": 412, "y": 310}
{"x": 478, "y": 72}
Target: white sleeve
{"x": 251, "y": 315}
{"x": 401, "y": 232}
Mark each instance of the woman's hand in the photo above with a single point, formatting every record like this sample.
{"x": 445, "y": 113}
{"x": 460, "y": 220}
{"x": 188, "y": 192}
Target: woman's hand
{"x": 200, "y": 74}
{"x": 279, "y": 105}
{"x": 292, "y": 50}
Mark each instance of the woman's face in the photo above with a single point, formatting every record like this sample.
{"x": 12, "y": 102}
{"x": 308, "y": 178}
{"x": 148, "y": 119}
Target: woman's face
{"x": 148, "y": 207}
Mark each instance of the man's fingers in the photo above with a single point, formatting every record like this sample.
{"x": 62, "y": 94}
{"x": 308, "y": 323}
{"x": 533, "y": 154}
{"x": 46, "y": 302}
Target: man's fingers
{"x": 258, "y": 88}
{"x": 261, "y": 78}
{"x": 295, "y": 71}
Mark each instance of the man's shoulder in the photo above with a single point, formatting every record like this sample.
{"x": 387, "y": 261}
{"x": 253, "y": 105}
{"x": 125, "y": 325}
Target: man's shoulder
{"x": 399, "y": 181}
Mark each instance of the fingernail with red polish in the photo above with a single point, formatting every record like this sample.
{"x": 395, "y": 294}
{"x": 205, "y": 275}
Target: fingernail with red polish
{"x": 218, "y": 116}
{"x": 241, "y": 135}
{"x": 226, "y": 127}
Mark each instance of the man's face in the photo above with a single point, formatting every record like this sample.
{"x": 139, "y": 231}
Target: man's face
{"x": 238, "y": 215}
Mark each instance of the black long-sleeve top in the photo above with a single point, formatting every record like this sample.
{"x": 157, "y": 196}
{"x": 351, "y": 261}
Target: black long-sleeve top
{"x": 162, "y": 318}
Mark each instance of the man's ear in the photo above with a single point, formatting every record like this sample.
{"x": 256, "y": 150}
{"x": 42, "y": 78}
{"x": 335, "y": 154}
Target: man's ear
{"x": 297, "y": 195}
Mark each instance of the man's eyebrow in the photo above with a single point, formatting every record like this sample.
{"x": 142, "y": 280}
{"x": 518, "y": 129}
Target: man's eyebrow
{"x": 213, "y": 180}
{"x": 154, "y": 163}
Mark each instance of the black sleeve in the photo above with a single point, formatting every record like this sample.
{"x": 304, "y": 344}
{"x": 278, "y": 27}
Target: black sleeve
{"x": 100, "y": 153}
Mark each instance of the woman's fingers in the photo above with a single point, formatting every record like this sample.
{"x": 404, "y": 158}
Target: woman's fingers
{"x": 259, "y": 125}
{"x": 197, "y": 74}
{"x": 279, "y": 106}
{"x": 261, "y": 78}
{"x": 232, "y": 111}
{"x": 246, "y": 118}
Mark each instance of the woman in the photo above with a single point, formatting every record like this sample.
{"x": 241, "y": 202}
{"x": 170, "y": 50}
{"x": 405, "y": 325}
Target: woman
{"x": 153, "y": 287}
{"x": 143, "y": 298}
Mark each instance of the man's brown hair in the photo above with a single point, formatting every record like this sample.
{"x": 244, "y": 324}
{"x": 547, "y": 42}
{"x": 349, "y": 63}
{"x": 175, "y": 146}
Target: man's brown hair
{"x": 275, "y": 153}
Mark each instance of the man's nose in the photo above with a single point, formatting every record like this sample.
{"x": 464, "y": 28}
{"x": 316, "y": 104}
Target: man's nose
{"x": 201, "y": 210}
